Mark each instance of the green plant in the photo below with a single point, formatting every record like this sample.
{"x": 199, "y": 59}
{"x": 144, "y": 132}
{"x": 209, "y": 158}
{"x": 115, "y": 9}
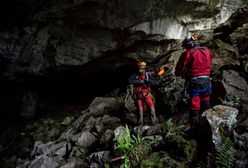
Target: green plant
{"x": 225, "y": 154}
{"x": 188, "y": 148}
{"x": 126, "y": 147}
{"x": 106, "y": 165}
{"x": 138, "y": 144}
{"x": 171, "y": 128}
{"x": 200, "y": 164}
{"x": 131, "y": 147}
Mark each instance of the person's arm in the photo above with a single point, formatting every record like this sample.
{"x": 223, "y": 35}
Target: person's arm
{"x": 153, "y": 81}
{"x": 133, "y": 80}
{"x": 180, "y": 64}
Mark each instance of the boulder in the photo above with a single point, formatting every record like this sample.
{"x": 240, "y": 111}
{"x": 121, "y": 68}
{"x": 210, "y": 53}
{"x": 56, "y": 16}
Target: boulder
{"x": 107, "y": 137}
{"x": 234, "y": 84}
{"x": 47, "y": 162}
{"x": 51, "y": 149}
{"x": 220, "y": 117}
{"x": 74, "y": 162}
{"x": 119, "y": 131}
{"x": 186, "y": 149}
{"x": 101, "y": 106}
{"x": 148, "y": 130}
{"x": 86, "y": 139}
{"x": 98, "y": 159}
{"x": 90, "y": 117}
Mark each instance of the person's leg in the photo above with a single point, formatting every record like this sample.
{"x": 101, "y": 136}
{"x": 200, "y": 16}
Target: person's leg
{"x": 203, "y": 131}
{"x": 194, "y": 110}
{"x": 141, "y": 110}
{"x": 150, "y": 104}
{"x": 205, "y": 102}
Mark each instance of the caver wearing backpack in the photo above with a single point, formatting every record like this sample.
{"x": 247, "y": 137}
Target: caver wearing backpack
{"x": 141, "y": 82}
{"x": 194, "y": 65}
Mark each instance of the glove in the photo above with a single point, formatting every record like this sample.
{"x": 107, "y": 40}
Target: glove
{"x": 166, "y": 66}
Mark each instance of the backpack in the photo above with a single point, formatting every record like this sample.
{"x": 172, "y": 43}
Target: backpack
{"x": 129, "y": 101}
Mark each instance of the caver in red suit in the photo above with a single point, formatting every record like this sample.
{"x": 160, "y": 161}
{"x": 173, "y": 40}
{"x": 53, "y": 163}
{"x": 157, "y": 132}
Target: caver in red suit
{"x": 194, "y": 65}
{"x": 142, "y": 81}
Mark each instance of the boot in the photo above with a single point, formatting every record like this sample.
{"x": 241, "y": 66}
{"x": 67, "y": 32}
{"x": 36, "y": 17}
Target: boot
{"x": 153, "y": 116}
{"x": 140, "y": 117}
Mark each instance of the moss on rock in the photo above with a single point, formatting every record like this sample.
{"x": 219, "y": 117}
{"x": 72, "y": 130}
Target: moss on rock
{"x": 161, "y": 160}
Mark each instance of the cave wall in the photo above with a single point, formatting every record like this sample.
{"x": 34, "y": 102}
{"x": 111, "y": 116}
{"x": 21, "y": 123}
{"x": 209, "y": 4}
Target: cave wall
{"x": 74, "y": 32}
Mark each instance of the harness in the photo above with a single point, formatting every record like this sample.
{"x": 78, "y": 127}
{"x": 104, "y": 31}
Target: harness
{"x": 199, "y": 77}
{"x": 143, "y": 90}
{"x": 200, "y": 92}
{"x": 146, "y": 77}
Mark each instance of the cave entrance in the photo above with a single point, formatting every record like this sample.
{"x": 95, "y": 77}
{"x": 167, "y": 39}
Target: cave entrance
{"x": 63, "y": 89}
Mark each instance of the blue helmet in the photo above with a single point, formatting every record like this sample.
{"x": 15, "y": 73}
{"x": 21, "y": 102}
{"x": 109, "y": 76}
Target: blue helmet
{"x": 190, "y": 42}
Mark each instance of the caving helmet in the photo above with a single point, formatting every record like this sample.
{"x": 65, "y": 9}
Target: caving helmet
{"x": 190, "y": 42}
{"x": 142, "y": 64}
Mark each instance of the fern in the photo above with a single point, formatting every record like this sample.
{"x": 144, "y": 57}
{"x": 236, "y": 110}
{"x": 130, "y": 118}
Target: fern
{"x": 126, "y": 163}
{"x": 225, "y": 154}
{"x": 169, "y": 124}
{"x": 172, "y": 128}
{"x": 124, "y": 143}
{"x": 132, "y": 148}
{"x": 200, "y": 164}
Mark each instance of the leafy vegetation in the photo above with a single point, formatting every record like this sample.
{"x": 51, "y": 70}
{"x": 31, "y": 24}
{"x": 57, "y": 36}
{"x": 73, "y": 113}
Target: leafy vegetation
{"x": 224, "y": 157}
{"x": 171, "y": 128}
{"x": 200, "y": 165}
{"x": 106, "y": 165}
{"x": 225, "y": 154}
{"x": 132, "y": 148}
